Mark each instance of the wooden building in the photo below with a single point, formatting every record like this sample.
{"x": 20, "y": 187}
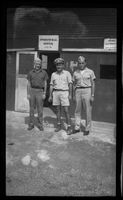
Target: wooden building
{"x": 99, "y": 50}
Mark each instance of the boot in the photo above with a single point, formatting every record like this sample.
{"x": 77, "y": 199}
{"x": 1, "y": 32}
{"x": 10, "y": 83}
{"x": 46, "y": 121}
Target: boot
{"x": 76, "y": 131}
{"x": 40, "y": 126}
{"x": 58, "y": 128}
{"x": 69, "y": 131}
{"x": 30, "y": 127}
{"x": 86, "y": 133}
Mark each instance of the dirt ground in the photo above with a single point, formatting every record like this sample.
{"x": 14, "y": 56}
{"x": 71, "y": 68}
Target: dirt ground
{"x": 54, "y": 164}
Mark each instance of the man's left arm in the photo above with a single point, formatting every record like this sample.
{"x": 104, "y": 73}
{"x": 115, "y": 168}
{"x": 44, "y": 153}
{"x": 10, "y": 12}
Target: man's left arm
{"x": 70, "y": 85}
{"x": 92, "y": 86}
{"x": 45, "y": 85}
{"x": 70, "y": 91}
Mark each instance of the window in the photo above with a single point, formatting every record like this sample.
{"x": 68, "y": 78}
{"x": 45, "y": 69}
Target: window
{"x": 26, "y": 62}
{"x": 107, "y": 71}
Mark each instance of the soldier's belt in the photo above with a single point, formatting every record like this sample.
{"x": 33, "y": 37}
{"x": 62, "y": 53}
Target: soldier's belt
{"x": 59, "y": 90}
{"x": 82, "y": 87}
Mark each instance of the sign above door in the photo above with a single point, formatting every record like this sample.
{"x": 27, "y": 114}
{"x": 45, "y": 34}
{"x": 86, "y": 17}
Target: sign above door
{"x": 48, "y": 42}
{"x": 110, "y": 43}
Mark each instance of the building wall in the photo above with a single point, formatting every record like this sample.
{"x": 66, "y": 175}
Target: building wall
{"x": 99, "y": 22}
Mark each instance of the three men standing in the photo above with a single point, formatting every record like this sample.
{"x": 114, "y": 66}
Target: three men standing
{"x": 61, "y": 84}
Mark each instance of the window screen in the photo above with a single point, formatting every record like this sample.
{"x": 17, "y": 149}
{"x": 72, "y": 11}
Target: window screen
{"x": 107, "y": 71}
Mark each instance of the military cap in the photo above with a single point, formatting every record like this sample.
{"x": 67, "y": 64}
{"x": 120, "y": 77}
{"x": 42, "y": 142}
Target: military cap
{"x": 81, "y": 58}
{"x": 59, "y": 60}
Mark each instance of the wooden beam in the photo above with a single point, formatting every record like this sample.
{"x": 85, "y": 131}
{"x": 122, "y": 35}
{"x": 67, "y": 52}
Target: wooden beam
{"x": 23, "y": 49}
{"x": 88, "y": 50}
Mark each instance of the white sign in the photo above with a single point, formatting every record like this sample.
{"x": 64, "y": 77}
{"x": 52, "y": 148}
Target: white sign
{"x": 110, "y": 43}
{"x": 48, "y": 42}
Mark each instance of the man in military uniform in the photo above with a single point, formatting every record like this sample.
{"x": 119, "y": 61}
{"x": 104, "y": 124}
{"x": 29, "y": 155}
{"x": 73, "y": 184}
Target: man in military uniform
{"x": 36, "y": 92}
{"x": 84, "y": 88}
{"x": 61, "y": 92}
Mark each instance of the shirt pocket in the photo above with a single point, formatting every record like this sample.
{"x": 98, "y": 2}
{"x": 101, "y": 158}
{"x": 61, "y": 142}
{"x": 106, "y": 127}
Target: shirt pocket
{"x": 86, "y": 79}
{"x": 86, "y": 76}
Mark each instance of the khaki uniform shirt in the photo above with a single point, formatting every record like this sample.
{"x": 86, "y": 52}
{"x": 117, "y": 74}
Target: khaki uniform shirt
{"x": 61, "y": 81}
{"x": 82, "y": 78}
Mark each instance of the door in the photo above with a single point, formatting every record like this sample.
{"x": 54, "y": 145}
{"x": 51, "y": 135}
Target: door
{"x": 10, "y": 80}
{"x": 24, "y": 63}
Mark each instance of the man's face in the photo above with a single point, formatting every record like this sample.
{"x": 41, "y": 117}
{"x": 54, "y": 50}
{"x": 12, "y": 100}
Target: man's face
{"x": 37, "y": 65}
{"x": 59, "y": 67}
{"x": 81, "y": 64}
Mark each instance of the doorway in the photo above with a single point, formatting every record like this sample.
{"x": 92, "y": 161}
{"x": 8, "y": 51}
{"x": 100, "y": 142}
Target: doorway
{"x": 24, "y": 63}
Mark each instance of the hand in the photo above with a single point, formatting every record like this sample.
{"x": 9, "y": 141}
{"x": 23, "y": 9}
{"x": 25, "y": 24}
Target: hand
{"x": 28, "y": 96}
{"x": 92, "y": 99}
{"x": 44, "y": 96}
{"x": 50, "y": 99}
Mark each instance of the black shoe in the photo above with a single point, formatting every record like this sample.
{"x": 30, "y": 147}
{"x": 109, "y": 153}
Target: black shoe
{"x": 41, "y": 128}
{"x": 69, "y": 131}
{"x": 58, "y": 128}
{"x": 76, "y": 131}
{"x": 30, "y": 127}
{"x": 86, "y": 133}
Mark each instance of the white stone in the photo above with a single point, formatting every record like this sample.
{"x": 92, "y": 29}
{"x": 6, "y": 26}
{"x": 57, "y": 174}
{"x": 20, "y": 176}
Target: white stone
{"x": 26, "y": 160}
{"x": 42, "y": 155}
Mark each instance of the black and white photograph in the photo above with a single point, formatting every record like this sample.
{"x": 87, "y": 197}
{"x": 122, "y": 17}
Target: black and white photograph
{"x": 61, "y": 101}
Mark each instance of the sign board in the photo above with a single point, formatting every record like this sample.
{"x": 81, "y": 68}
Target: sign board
{"x": 110, "y": 43}
{"x": 48, "y": 42}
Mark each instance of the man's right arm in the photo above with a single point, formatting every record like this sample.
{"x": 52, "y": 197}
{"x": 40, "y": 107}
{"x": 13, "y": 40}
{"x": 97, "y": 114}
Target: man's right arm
{"x": 51, "y": 89}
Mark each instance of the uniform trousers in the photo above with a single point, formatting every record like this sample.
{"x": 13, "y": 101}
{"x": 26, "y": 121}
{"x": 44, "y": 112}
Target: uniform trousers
{"x": 36, "y": 101}
{"x": 83, "y": 97}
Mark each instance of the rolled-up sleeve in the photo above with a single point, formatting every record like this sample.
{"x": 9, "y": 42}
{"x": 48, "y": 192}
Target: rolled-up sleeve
{"x": 93, "y": 75}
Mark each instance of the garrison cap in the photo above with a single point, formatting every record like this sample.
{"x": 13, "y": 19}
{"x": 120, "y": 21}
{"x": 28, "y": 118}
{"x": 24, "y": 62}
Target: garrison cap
{"x": 81, "y": 58}
{"x": 59, "y": 60}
